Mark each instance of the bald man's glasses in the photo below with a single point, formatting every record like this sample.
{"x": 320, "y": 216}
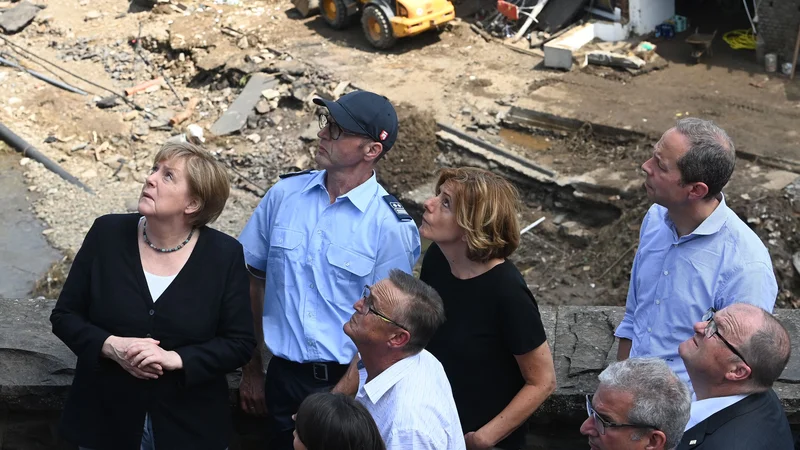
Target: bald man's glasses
{"x": 366, "y": 295}
{"x": 711, "y": 330}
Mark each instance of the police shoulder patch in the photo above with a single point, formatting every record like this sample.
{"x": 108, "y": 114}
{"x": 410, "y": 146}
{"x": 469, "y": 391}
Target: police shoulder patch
{"x": 294, "y": 174}
{"x": 397, "y": 207}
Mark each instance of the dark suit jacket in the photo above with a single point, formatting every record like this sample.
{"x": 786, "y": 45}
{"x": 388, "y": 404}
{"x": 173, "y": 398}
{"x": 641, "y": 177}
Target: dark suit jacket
{"x": 204, "y": 315}
{"x": 757, "y": 422}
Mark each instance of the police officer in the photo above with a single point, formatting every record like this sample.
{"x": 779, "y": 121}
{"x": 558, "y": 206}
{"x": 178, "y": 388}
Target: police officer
{"x": 313, "y": 243}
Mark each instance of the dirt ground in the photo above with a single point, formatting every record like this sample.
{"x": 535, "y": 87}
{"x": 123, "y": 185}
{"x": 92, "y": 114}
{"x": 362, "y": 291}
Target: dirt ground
{"x": 454, "y": 77}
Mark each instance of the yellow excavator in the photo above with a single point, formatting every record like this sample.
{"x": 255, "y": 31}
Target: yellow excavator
{"x": 384, "y": 21}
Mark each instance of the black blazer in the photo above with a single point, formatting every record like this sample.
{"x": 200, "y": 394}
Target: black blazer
{"x": 757, "y": 422}
{"x": 204, "y": 315}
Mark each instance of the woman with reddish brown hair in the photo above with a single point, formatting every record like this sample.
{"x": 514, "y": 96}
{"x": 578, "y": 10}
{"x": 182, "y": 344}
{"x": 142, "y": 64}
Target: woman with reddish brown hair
{"x": 493, "y": 345}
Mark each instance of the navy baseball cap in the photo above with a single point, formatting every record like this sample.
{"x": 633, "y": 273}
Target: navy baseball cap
{"x": 365, "y": 113}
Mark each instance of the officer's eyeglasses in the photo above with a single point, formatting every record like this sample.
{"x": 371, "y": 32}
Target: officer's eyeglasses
{"x": 366, "y": 296}
{"x": 711, "y": 330}
{"x": 335, "y": 130}
{"x": 601, "y": 424}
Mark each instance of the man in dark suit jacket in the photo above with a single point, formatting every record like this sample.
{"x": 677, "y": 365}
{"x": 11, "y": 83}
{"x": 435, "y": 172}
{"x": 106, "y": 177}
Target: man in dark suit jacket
{"x": 733, "y": 359}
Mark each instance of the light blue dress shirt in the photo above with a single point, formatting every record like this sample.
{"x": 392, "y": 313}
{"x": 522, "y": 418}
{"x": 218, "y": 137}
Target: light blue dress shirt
{"x": 675, "y": 280}
{"x": 317, "y": 257}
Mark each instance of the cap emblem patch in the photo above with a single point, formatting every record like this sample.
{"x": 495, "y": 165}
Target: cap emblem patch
{"x": 384, "y": 135}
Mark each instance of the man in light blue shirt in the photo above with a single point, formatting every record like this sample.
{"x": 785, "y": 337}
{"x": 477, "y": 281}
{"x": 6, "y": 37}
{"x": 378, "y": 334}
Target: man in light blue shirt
{"x": 694, "y": 252}
{"x": 312, "y": 244}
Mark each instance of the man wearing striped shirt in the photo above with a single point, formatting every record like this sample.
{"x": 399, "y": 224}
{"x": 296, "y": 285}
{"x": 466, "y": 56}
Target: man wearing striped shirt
{"x": 401, "y": 384}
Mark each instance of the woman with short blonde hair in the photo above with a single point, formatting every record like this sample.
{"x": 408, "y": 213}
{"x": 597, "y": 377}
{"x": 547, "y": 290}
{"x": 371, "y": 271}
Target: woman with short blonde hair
{"x": 157, "y": 309}
{"x": 493, "y": 345}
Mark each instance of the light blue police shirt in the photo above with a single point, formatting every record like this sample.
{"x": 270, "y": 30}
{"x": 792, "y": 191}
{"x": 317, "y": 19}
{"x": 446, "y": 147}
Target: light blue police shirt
{"x": 675, "y": 280}
{"x": 318, "y": 256}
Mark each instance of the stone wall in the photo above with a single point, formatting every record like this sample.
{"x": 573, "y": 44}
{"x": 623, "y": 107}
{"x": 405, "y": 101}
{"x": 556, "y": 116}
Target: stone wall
{"x": 777, "y": 22}
{"x": 36, "y": 370}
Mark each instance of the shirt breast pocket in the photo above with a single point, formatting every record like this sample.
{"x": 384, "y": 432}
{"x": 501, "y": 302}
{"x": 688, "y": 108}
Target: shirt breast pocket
{"x": 351, "y": 268}
{"x": 285, "y": 254}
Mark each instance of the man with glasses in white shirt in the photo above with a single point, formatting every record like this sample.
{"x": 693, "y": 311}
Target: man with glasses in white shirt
{"x": 640, "y": 404}
{"x": 401, "y": 384}
{"x": 733, "y": 358}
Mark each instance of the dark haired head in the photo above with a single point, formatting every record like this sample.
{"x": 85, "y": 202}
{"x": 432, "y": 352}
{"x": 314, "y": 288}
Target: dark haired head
{"x": 327, "y": 421}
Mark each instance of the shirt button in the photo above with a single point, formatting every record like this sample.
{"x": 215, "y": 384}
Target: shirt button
{"x": 319, "y": 232}
{"x": 310, "y": 342}
{"x": 280, "y": 241}
{"x": 649, "y": 330}
{"x": 666, "y": 272}
{"x": 309, "y": 259}
{"x": 311, "y": 285}
{"x": 310, "y": 315}
{"x": 347, "y": 264}
{"x": 152, "y": 311}
{"x": 658, "y": 302}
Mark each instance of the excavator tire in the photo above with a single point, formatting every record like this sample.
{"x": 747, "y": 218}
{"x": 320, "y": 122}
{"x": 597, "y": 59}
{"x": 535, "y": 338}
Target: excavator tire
{"x": 334, "y": 13}
{"x": 377, "y": 28}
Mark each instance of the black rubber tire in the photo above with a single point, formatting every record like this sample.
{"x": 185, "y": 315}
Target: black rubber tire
{"x": 377, "y": 28}
{"x": 334, "y": 13}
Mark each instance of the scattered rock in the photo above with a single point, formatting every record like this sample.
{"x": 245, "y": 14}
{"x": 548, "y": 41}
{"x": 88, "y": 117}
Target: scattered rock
{"x": 92, "y": 15}
{"x": 140, "y": 129}
{"x": 132, "y": 205}
{"x": 255, "y": 138}
{"x": 310, "y": 133}
{"x": 130, "y": 115}
{"x": 18, "y": 17}
{"x": 263, "y": 106}
{"x": 294, "y": 68}
{"x": 242, "y": 43}
{"x": 270, "y": 94}
{"x": 107, "y": 102}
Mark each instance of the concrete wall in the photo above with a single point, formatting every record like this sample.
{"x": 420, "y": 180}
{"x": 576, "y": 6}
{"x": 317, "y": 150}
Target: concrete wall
{"x": 777, "y": 23}
{"x": 646, "y": 14}
{"x": 36, "y": 371}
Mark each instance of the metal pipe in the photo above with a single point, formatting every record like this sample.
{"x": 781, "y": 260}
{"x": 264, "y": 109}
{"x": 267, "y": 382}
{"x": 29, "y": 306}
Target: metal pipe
{"x": 20, "y": 145}
{"x": 44, "y": 78}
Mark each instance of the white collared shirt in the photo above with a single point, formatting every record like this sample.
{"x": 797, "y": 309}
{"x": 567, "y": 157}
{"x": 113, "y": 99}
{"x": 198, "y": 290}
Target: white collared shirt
{"x": 412, "y": 404}
{"x": 703, "y": 409}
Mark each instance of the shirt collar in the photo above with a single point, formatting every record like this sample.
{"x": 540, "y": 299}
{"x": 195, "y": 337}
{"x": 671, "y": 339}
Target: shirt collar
{"x": 360, "y": 196}
{"x": 715, "y": 221}
{"x": 712, "y": 224}
{"x": 379, "y": 385}
{"x": 703, "y": 409}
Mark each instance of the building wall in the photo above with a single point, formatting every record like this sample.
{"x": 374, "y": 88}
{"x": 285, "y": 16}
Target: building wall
{"x": 646, "y": 14}
{"x": 777, "y": 22}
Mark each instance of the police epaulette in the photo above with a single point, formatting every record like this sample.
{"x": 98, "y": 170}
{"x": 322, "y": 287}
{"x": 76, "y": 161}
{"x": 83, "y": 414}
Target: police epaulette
{"x": 397, "y": 207}
{"x": 294, "y": 174}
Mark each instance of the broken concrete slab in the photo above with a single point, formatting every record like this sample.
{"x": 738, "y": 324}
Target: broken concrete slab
{"x": 236, "y": 116}
{"x": 559, "y": 53}
{"x": 779, "y": 179}
{"x": 18, "y": 17}
{"x": 606, "y": 181}
{"x": 209, "y": 59}
{"x": 195, "y": 31}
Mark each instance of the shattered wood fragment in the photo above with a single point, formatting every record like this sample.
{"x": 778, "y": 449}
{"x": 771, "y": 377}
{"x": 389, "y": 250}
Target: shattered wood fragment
{"x": 186, "y": 113}
{"x": 144, "y": 86}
